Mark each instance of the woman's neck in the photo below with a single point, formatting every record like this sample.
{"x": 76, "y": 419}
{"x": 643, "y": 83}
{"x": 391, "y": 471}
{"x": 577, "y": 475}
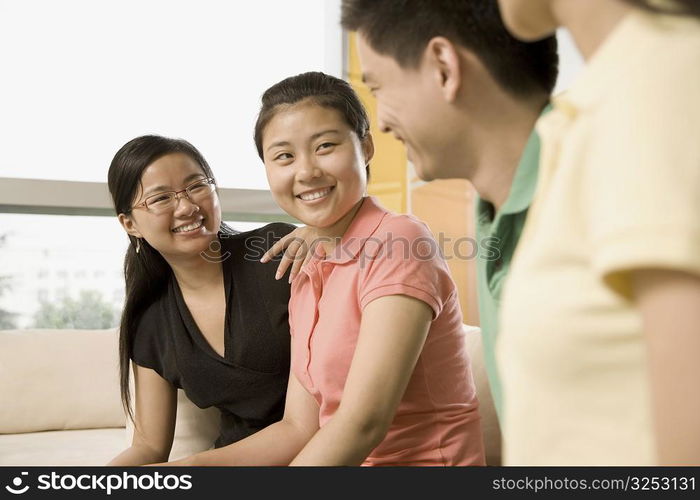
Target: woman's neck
{"x": 590, "y": 22}
{"x": 198, "y": 273}
{"x": 331, "y": 235}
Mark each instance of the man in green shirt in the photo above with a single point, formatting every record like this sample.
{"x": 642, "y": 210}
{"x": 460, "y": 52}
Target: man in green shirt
{"x": 499, "y": 232}
{"x": 463, "y": 96}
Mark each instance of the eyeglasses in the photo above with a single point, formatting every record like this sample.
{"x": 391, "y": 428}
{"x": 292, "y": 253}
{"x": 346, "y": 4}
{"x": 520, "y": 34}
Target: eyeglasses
{"x": 198, "y": 191}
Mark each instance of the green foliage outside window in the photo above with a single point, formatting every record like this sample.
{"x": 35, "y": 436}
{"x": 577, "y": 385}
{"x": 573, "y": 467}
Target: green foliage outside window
{"x": 87, "y": 312}
{"x": 7, "y": 318}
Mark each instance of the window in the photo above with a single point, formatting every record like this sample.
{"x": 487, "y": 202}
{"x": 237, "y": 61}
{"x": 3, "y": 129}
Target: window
{"x": 80, "y": 78}
{"x": 85, "y": 256}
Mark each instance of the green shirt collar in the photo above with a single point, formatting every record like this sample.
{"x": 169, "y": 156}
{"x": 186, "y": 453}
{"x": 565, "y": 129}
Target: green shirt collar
{"x": 522, "y": 189}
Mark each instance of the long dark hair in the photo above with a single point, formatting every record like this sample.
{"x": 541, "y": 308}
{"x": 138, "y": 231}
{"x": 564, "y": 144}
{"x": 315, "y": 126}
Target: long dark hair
{"x": 146, "y": 272}
{"x": 675, "y": 7}
{"x": 325, "y": 90}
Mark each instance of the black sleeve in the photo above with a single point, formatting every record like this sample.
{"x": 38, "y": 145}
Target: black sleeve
{"x": 147, "y": 345}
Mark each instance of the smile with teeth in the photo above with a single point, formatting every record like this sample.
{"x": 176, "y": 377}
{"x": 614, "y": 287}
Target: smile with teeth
{"x": 189, "y": 227}
{"x": 315, "y": 195}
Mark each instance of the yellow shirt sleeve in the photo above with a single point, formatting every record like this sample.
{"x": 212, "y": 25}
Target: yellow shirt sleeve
{"x": 642, "y": 181}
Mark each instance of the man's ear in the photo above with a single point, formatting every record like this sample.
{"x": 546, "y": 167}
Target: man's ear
{"x": 443, "y": 59}
{"x": 368, "y": 148}
{"x": 129, "y": 225}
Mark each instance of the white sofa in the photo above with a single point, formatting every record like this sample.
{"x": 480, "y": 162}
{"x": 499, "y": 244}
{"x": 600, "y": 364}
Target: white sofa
{"x": 59, "y": 401}
{"x": 60, "y": 404}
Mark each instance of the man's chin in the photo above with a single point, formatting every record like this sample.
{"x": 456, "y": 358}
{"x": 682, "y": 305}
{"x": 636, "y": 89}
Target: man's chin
{"x": 423, "y": 173}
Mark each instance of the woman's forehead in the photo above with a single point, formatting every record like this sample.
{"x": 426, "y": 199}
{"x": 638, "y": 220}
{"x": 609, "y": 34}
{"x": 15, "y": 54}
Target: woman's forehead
{"x": 304, "y": 120}
{"x": 169, "y": 172}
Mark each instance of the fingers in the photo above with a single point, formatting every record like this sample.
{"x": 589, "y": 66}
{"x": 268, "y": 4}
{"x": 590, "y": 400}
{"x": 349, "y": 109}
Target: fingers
{"x": 278, "y": 247}
{"x": 297, "y": 257}
{"x": 289, "y": 257}
{"x": 298, "y": 264}
{"x": 303, "y": 259}
{"x": 297, "y": 252}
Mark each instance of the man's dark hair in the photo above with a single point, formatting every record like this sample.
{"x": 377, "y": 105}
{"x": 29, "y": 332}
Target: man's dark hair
{"x": 402, "y": 29}
{"x": 689, "y": 8}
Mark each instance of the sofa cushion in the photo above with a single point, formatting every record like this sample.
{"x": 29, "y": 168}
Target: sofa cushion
{"x": 51, "y": 448}
{"x": 59, "y": 379}
{"x": 68, "y": 379}
{"x": 196, "y": 429}
{"x": 489, "y": 419}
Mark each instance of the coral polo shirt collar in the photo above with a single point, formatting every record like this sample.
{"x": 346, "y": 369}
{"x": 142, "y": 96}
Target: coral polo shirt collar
{"x": 362, "y": 227}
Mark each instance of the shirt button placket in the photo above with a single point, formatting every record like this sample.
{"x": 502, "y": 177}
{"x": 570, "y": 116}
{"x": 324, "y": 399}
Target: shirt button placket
{"x": 317, "y": 287}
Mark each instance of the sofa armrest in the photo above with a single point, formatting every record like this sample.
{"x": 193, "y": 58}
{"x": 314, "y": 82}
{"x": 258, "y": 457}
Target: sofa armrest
{"x": 489, "y": 418}
{"x": 59, "y": 379}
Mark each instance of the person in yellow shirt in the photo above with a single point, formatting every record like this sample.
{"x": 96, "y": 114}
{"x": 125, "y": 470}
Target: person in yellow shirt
{"x": 600, "y": 326}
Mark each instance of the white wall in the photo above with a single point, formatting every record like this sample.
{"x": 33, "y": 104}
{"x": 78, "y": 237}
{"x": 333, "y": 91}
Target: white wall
{"x": 81, "y": 77}
{"x": 570, "y": 61}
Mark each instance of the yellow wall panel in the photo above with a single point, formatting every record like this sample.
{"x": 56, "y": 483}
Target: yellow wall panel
{"x": 447, "y": 206}
{"x": 388, "y": 168}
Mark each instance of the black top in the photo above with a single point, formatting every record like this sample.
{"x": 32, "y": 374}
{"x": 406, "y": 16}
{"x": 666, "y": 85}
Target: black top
{"x": 249, "y": 383}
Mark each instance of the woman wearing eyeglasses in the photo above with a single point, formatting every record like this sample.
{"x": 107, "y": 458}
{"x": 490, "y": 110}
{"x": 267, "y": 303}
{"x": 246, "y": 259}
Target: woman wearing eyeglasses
{"x": 201, "y": 312}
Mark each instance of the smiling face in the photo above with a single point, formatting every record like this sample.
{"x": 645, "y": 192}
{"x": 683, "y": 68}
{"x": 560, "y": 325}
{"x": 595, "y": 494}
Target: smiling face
{"x": 188, "y": 228}
{"x": 411, "y": 106}
{"x": 315, "y": 163}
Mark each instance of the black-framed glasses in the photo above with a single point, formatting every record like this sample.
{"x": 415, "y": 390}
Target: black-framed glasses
{"x": 197, "y": 191}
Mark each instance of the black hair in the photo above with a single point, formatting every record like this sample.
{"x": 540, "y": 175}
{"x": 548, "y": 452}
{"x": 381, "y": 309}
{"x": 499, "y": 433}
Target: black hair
{"x": 324, "y": 90}
{"x": 676, "y": 7}
{"x": 146, "y": 273}
{"x": 402, "y": 29}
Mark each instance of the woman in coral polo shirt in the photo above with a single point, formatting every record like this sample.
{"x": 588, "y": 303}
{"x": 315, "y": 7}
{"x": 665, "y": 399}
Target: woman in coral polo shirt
{"x": 379, "y": 372}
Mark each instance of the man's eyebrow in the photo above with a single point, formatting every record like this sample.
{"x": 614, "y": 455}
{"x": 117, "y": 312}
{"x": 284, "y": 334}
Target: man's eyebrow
{"x": 156, "y": 189}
